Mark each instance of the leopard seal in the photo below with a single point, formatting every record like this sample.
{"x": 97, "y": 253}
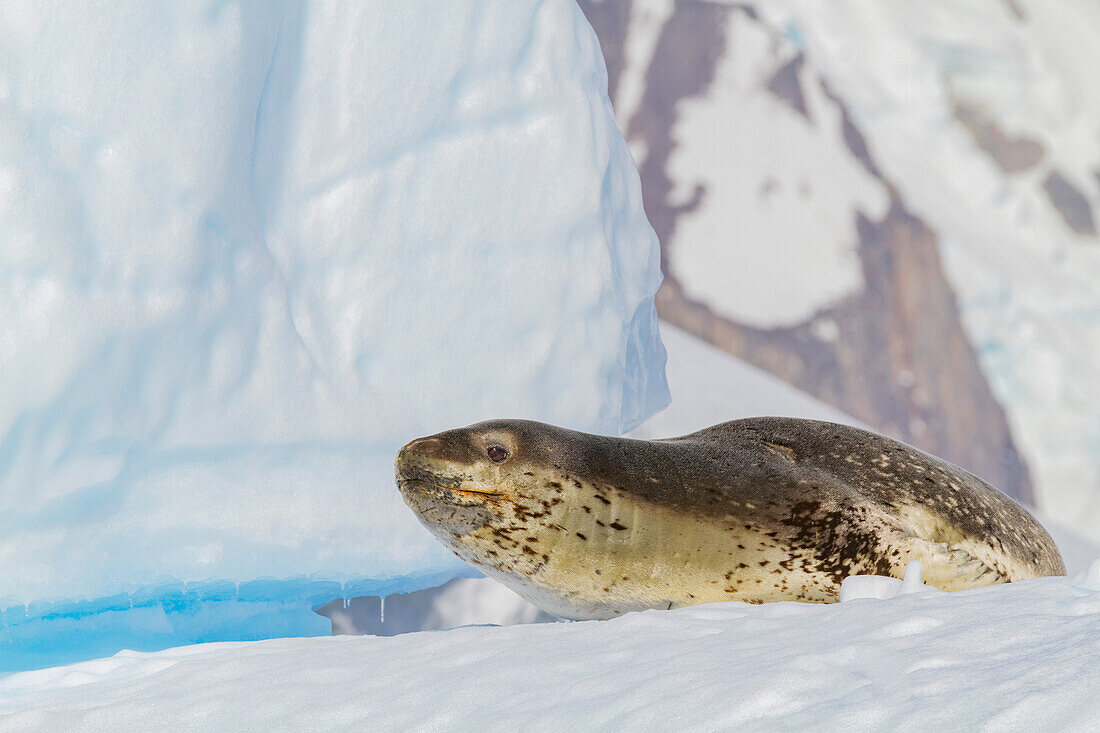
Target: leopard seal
{"x": 757, "y": 510}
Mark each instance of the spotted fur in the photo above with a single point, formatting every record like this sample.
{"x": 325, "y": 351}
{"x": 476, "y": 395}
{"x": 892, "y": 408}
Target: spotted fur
{"x": 757, "y": 510}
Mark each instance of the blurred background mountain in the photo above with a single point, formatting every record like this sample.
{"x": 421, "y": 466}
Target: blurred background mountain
{"x": 892, "y": 206}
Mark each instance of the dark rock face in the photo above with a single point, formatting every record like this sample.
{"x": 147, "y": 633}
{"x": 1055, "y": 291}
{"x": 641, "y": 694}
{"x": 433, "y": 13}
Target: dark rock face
{"x": 896, "y": 355}
{"x": 1011, "y": 154}
{"x": 786, "y": 85}
{"x": 1071, "y": 204}
{"x": 610, "y": 19}
{"x": 688, "y": 49}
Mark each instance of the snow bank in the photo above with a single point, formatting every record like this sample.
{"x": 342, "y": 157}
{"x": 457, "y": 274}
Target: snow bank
{"x": 1015, "y": 657}
{"x": 248, "y": 250}
{"x": 855, "y": 587}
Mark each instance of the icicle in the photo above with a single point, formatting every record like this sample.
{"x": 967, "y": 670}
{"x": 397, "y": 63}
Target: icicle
{"x": 344, "y": 595}
{"x": 382, "y": 610}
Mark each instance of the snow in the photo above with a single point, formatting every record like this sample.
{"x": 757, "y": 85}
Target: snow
{"x": 882, "y": 588}
{"x": 249, "y": 250}
{"x": 791, "y": 185}
{"x": 1012, "y": 657}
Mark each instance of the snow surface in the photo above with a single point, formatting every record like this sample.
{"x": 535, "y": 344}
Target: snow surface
{"x": 855, "y": 587}
{"x": 1011, "y": 657}
{"x": 247, "y": 250}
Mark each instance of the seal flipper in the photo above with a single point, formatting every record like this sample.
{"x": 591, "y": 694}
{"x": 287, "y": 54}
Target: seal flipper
{"x": 952, "y": 568}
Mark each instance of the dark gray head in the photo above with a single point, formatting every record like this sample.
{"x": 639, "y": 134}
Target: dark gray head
{"x": 539, "y": 508}
{"x": 459, "y": 480}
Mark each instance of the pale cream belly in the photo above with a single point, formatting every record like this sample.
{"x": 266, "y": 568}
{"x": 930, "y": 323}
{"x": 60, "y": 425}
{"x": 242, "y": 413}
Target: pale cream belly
{"x": 595, "y": 559}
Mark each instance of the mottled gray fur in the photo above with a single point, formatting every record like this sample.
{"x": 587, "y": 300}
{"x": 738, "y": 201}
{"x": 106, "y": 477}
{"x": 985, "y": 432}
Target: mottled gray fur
{"x": 814, "y": 502}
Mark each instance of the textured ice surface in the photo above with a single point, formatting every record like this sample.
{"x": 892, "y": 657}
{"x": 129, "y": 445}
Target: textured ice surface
{"x": 1011, "y": 657}
{"x": 247, "y": 250}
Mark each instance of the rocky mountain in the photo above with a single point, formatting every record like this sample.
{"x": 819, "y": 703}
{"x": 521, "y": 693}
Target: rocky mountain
{"x": 890, "y": 205}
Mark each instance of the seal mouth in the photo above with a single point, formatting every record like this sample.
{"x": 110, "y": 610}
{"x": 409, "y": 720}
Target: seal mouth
{"x": 475, "y": 492}
{"x": 411, "y": 477}
{"x": 489, "y": 494}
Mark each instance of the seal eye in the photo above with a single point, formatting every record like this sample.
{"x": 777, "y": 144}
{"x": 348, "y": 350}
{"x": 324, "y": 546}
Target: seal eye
{"x": 497, "y": 454}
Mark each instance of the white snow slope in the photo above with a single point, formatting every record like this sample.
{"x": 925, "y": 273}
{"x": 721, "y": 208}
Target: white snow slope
{"x": 1018, "y": 657}
{"x": 247, "y": 250}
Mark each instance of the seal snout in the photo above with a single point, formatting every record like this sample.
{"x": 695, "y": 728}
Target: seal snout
{"x": 418, "y": 455}
{"x": 419, "y": 451}
{"x": 428, "y": 464}
{"x": 429, "y": 445}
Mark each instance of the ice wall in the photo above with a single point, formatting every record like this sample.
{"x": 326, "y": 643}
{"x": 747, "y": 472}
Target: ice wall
{"x": 247, "y": 250}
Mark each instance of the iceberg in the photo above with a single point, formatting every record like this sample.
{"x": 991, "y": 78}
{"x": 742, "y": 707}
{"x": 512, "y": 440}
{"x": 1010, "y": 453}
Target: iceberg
{"x": 247, "y": 250}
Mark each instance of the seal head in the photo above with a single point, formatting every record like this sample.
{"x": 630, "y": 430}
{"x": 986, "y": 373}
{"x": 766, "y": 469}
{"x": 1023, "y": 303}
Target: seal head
{"x": 763, "y": 509}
